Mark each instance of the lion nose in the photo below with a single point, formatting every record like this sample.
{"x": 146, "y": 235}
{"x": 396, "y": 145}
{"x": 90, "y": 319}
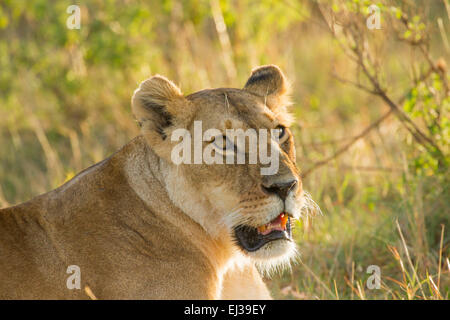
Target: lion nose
{"x": 280, "y": 188}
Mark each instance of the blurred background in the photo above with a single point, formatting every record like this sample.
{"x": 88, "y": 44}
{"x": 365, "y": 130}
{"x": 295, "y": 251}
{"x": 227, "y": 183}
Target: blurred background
{"x": 371, "y": 103}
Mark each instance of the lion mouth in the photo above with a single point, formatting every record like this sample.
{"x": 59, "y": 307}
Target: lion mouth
{"x": 252, "y": 239}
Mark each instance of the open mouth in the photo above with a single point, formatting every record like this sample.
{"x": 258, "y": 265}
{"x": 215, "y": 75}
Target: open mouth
{"x": 252, "y": 239}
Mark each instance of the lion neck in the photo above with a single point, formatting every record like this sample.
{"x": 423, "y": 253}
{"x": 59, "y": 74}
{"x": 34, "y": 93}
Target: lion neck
{"x": 158, "y": 182}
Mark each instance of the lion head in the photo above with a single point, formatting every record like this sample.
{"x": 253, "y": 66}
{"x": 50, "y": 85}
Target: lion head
{"x": 233, "y": 200}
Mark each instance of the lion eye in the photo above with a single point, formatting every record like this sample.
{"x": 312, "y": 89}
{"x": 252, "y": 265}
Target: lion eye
{"x": 223, "y": 144}
{"x": 282, "y": 133}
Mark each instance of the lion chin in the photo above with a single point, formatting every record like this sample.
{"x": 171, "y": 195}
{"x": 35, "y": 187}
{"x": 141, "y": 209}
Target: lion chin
{"x": 275, "y": 256}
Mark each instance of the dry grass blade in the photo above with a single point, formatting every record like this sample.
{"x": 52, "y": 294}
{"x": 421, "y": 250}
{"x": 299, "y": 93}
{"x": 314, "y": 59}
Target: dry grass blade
{"x": 89, "y": 292}
{"x": 409, "y": 259}
{"x": 319, "y": 281}
{"x": 440, "y": 257}
{"x": 434, "y": 288}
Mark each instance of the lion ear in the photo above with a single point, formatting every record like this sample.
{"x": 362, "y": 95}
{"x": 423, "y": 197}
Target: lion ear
{"x": 270, "y": 83}
{"x": 155, "y": 105}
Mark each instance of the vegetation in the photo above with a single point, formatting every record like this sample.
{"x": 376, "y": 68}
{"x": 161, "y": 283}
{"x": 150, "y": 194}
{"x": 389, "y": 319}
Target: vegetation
{"x": 372, "y": 109}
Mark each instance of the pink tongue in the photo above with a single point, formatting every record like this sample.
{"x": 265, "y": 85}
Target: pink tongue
{"x": 279, "y": 223}
{"x": 271, "y": 228}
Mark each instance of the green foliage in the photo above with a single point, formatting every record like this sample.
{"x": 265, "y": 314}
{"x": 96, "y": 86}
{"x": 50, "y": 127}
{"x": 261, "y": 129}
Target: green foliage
{"x": 426, "y": 102}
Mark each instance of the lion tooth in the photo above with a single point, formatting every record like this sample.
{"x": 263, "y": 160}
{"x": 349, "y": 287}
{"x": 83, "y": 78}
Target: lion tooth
{"x": 279, "y": 223}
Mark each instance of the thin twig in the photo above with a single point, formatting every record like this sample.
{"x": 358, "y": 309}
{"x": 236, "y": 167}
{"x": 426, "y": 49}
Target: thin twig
{"x": 363, "y": 133}
{"x": 352, "y": 31}
{"x": 355, "y": 84}
{"x": 349, "y": 144}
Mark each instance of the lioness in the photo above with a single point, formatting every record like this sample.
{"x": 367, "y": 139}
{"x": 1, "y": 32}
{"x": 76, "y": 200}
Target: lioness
{"x": 139, "y": 226}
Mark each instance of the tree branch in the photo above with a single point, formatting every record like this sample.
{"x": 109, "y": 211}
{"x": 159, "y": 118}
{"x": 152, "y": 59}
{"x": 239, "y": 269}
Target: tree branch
{"x": 349, "y": 144}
